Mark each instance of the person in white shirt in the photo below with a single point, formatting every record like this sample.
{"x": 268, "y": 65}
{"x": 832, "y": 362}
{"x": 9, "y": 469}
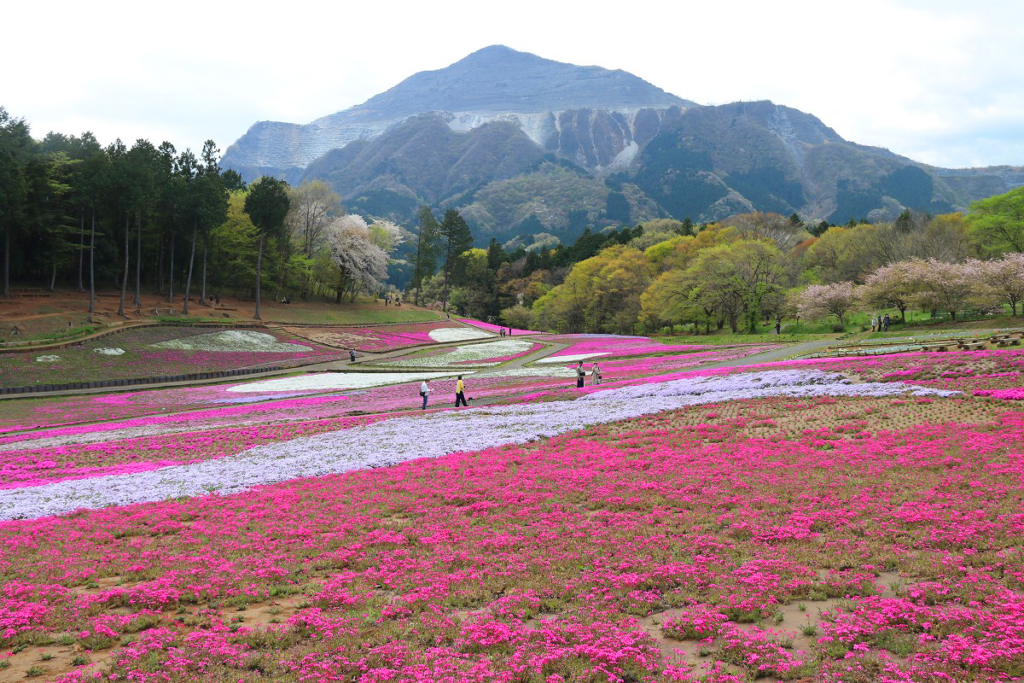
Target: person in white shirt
{"x": 425, "y": 393}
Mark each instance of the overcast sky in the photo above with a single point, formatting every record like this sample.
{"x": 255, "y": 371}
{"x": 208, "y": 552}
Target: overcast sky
{"x": 940, "y": 81}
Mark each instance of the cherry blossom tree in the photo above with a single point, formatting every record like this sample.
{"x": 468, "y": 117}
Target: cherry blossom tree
{"x": 361, "y": 264}
{"x": 1004, "y": 279}
{"x": 947, "y": 286}
{"x": 819, "y": 301}
{"x": 893, "y": 286}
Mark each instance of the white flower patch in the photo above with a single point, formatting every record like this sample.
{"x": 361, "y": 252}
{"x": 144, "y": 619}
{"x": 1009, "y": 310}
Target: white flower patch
{"x": 461, "y": 355}
{"x": 573, "y": 358}
{"x": 109, "y": 352}
{"x": 430, "y": 436}
{"x": 327, "y": 381}
{"x": 232, "y": 340}
{"x": 47, "y": 359}
{"x": 532, "y": 372}
{"x": 454, "y": 334}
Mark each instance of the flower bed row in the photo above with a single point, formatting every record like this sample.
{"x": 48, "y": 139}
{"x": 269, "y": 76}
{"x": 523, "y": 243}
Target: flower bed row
{"x": 433, "y": 435}
{"x": 381, "y": 339}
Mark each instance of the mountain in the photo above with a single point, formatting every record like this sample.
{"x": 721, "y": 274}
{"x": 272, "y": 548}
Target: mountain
{"x": 493, "y": 84}
{"x": 523, "y": 145}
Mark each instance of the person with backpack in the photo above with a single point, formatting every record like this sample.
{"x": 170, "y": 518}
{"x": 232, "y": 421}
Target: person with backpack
{"x": 425, "y": 393}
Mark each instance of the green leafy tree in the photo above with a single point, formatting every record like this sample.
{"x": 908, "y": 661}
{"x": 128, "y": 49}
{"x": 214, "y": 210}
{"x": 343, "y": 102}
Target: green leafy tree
{"x": 15, "y": 150}
{"x": 267, "y": 206}
{"x": 233, "y": 251}
{"x": 998, "y": 222}
{"x": 232, "y": 180}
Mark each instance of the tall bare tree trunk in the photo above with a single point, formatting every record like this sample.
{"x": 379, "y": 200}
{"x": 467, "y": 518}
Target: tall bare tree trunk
{"x": 92, "y": 266}
{"x": 170, "y": 274}
{"x": 191, "y": 260}
{"x": 259, "y": 266}
{"x": 81, "y": 246}
{"x": 124, "y": 280}
{"x": 160, "y": 265}
{"x": 7, "y": 261}
{"x": 53, "y": 273}
{"x": 206, "y": 245}
{"x": 138, "y": 259}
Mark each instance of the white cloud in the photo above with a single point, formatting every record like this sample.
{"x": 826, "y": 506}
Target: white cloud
{"x": 937, "y": 81}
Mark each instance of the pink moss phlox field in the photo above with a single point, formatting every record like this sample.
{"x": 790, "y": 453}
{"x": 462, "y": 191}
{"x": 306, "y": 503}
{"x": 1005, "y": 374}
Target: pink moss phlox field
{"x": 35, "y": 413}
{"x": 489, "y": 327}
{"x": 40, "y": 466}
{"x": 619, "y": 347}
{"x": 547, "y": 561}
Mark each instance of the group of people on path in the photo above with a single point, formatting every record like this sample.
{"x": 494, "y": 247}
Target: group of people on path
{"x": 460, "y": 385}
{"x": 389, "y": 299}
{"x": 880, "y": 323}
{"x": 460, "y": 393}
{"x": 502, "y": 331}
{"x": 581, "y": 375}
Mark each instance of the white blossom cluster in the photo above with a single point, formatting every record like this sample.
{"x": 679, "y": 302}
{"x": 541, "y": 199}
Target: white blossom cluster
{"x": 572, "y": 358}
{"x": 232, "y": 340}
{"x": 428, "y": 436}
{"x": 328, "y": 381}
{"x": 455, "y": 334}
{"x": 471, "y": 354}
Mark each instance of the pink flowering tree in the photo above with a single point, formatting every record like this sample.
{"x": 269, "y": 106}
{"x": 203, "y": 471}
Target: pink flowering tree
{"x": 947, "y": 286}
{"x": 892, "y": 286}
{"x": 1004, "y": 279}
{"x": 819, "y": 301}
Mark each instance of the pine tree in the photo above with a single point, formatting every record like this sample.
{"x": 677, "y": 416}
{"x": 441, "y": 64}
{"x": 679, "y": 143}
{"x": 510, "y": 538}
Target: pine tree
{"x": 428, "y": 244}
{"x": 456, "y": 238}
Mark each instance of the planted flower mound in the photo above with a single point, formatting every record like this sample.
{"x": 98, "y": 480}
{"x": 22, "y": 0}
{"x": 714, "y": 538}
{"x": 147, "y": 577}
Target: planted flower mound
{"x": 159, "y": 351}
{"x": 376, "y": 339}
{"x": 471, "y": 355}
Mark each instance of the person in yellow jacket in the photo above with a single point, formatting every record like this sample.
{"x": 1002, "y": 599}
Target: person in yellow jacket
{"x": 460, "y": 393}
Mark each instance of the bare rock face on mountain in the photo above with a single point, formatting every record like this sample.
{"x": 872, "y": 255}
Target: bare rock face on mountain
{"x": 597, "y": 107}
{"x": 525, "y": 145}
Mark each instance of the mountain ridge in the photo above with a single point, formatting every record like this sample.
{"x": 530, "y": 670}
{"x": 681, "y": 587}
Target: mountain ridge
{"x": 491, "y": 134}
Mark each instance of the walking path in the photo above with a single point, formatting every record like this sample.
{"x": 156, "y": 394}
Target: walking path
{"x": 784, "y": 353}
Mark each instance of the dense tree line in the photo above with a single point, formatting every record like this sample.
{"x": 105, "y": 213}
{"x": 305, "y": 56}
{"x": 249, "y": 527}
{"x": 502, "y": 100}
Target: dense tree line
{"x": 76, "y": 213}
{"x": 747, "y": 269}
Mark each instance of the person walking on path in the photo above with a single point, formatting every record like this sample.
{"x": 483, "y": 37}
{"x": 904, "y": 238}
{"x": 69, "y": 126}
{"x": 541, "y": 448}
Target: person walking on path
{"x": 425, "y": 393}
{"x": 460, "y": 393}
{"x": 874, "y": 322}
{"x": 885, "y": 323}
{"x": 778, "y": 326}
{"x": 501, "y": 331}
{"x": 581, "y": 373}
{"x": 595, "y": 374}
{"x": 351, "y": 355}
